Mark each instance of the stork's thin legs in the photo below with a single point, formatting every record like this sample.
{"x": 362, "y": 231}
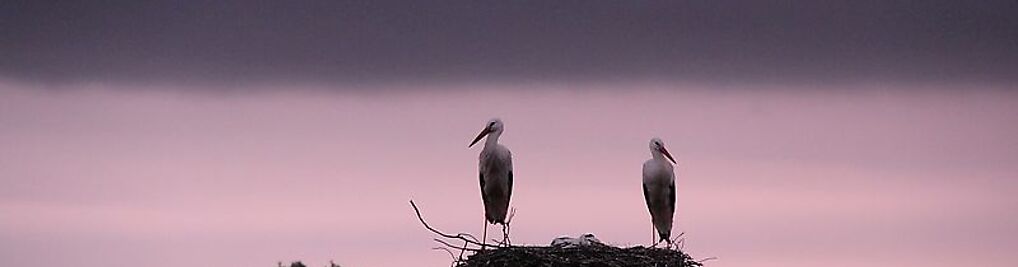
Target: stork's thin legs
{"x": 505, "y": 235}
{"x": 653, "y": 236}
{"x": 484, "y": 236}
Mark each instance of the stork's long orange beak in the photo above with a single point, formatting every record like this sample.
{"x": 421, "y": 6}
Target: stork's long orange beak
{"x": 669, "y": 155}
{"x": 484, "y": 132}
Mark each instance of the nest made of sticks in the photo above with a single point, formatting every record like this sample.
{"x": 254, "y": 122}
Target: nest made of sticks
{"x": 594, "y": 255}
{"x": 591, "y": 256}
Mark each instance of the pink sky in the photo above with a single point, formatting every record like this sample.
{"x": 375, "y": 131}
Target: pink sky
{"x": 864, "y": 175}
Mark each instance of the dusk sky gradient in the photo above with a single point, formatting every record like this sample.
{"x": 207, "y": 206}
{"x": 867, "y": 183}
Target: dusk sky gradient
{"x": 221, "y": 133}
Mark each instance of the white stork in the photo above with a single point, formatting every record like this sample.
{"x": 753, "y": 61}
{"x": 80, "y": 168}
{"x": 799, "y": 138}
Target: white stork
{"x": 496, "y": 175}
{"x": 659, "y": 189}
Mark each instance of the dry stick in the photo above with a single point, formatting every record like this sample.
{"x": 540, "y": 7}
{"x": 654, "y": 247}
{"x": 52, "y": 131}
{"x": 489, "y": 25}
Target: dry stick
{"x": 512, "y": 213}
{"x": 468, "y": 235}
{"x": 707, "y": 259}
{"x": 451, "y": 255}
{"x": 455, "y": 260}
{"x": 454, "y": 246}
{"x": 681, "y": 241}
{"x": 463, "y": 250}
{"x": 460, "y": 236}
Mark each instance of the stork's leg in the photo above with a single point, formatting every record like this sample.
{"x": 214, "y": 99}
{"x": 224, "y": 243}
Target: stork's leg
{"x": 485, "y": 235}
{"x": 505, "y": 235}
{"x": 654, "y": 236}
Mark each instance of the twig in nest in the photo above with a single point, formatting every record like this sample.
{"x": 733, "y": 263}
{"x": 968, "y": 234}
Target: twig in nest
{"x": 707, "y": 259}
{"x": 464, "y": 247}
{"x": 679, "y": 241}
{"x": 512, "y": 213}
{"x": 467, "y": 238}
{"x": 462, "y": 250}
{"x": 451, "y": 255}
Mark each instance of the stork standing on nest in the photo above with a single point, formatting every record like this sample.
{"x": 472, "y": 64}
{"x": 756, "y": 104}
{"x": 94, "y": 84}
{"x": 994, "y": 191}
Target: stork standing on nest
{"x": 496, "y": 175}
{"x": 659, "y": 189}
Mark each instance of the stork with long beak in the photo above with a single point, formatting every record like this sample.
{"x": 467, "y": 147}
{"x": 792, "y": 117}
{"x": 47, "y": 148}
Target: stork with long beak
{"x": 496, "y": 175}
{"x": 659, "y": 189}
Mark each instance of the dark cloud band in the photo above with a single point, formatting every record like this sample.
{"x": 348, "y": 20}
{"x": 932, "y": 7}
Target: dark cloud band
{"x": 366, "y": 41}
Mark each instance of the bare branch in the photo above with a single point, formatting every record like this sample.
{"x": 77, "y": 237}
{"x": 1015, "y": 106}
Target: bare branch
{"x": 707, "y": 259}
{"x": 451, "y": 254}
{"x": 467, "y": 238}
{"x": 679, "y": 241}
{"x": 463, "y": 250}
{"x": 464, "y": 247}
{"x": 512, "y": 213}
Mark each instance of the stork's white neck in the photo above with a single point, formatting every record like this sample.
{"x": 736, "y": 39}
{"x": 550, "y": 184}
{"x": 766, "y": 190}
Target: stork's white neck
{"x": 492, "y": 139}
{"x": 657, "y": 154}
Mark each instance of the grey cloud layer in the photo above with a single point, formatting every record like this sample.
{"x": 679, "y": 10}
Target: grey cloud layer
{"x": 365, "y": 41}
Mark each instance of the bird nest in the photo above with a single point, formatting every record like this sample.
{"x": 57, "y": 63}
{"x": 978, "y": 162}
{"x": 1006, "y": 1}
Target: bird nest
{"x": 593, "y": 256}
{"x": 592, "y": 253}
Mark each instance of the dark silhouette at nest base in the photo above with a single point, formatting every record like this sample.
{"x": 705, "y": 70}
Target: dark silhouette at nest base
{"x": 588, "y": 256}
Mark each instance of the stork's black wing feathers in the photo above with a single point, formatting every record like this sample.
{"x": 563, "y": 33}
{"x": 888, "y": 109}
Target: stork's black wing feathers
{"x": 646, "y": 195}
{"x": 484, "y": 196}
{"x": 671, "y": 198}
{"x": 510, "y": 194}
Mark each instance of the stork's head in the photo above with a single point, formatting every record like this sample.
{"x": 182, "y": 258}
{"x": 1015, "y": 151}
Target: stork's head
{"x": 494, "y": 126}
{"x": 657, "y": 147}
